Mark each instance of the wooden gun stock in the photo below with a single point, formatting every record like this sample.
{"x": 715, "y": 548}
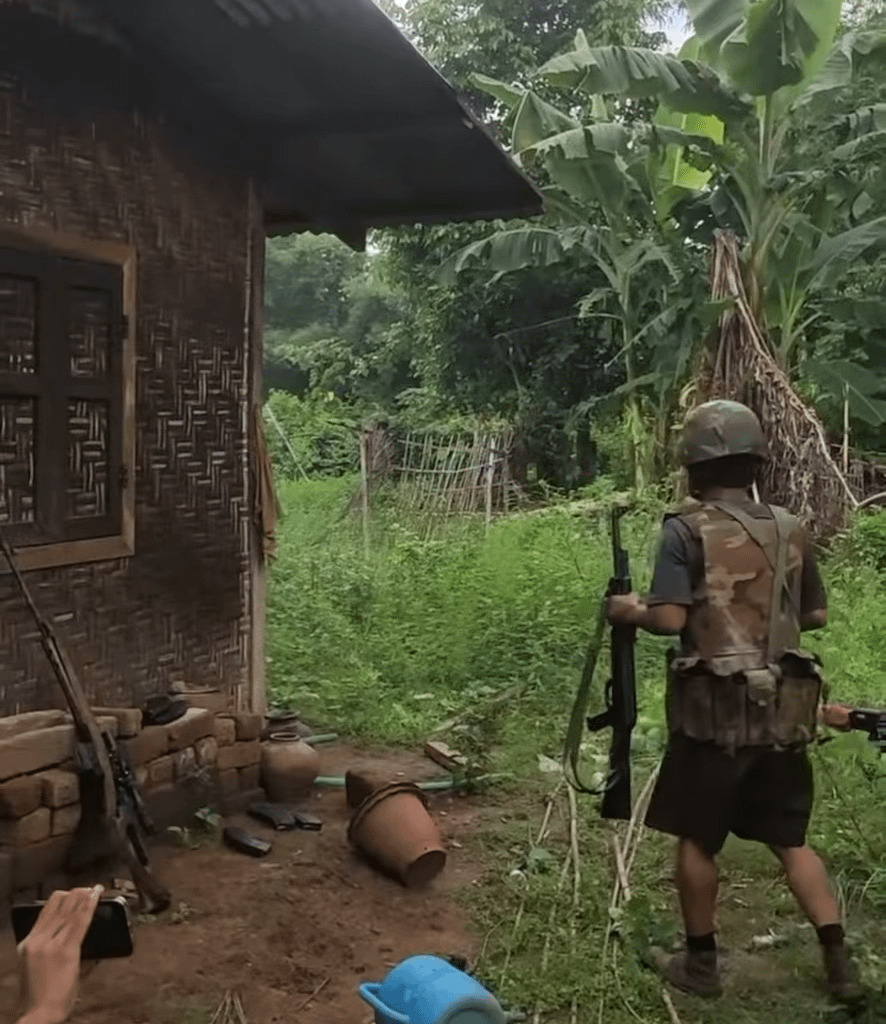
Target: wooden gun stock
{"x": 106, "y": 820}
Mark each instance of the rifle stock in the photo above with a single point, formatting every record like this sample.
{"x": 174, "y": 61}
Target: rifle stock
{"x": 872, "y": 722}
{"x": 110, "y": 809}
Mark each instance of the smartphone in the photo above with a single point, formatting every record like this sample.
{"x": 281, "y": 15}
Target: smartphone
{"x": 109, "y": 935}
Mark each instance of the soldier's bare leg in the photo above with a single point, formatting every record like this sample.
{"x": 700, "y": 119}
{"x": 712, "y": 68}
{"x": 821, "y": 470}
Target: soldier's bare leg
{"x": 697, "y": 884}
{"x": 809, "y": 882}
{"x": 694, "y": 969}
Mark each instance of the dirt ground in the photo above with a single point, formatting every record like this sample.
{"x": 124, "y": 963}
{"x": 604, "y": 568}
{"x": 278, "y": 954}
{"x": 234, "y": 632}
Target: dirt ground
{"x": 311, "y": 918}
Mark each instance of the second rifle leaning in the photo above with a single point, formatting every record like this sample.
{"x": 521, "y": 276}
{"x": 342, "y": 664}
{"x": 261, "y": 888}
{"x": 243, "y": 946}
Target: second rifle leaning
{"x": 114, "y": 818}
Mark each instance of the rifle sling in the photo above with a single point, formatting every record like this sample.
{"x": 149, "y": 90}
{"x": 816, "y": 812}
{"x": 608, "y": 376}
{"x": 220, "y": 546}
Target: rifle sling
{"x": 576, "y": 730}
{"x": 779, "y": 586}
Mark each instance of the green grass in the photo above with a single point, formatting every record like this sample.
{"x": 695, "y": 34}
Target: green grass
{"x": 386, "y": 647}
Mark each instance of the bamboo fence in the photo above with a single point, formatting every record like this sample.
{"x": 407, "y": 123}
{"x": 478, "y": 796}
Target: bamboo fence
{"x": 434, "y": 477}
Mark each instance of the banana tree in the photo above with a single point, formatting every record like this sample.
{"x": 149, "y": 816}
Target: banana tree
{"x": 779, "y": 56}
{"x": 603, "y": 197}
{"x": 716, "y": 151}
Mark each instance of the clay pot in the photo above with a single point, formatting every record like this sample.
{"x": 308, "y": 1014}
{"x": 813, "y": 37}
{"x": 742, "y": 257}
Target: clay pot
{"x": 289, "y": 767}
{"x": 393, "y": 828}
{"x": 289, "y": 722}
{"x": 359, "y": 787}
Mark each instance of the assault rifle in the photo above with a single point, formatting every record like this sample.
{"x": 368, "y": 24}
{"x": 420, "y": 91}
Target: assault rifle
{"x": 871, "y": 722}
{"x": 620, "y": 695}
{"x": 114, "y": 817}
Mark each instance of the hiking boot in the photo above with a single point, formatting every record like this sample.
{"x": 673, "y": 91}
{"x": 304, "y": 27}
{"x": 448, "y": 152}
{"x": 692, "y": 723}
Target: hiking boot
{"x": 689, "y": 971}
{"x": 840, "y": 975}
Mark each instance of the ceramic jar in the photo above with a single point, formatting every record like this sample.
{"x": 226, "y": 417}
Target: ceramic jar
{"x": 289, "y": 768}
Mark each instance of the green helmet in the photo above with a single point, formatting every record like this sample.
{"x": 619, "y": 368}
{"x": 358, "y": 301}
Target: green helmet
{"x": 720, "y": 428}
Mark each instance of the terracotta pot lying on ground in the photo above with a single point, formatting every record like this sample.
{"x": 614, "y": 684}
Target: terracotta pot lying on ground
{"x": 393, "y": 828}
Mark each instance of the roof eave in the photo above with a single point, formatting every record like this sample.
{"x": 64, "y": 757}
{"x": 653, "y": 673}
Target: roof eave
{"x": 287, "y": 224}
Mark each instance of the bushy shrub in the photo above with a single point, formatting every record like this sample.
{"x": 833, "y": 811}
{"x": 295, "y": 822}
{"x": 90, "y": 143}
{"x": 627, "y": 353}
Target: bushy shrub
{"x": 310, "y": 437}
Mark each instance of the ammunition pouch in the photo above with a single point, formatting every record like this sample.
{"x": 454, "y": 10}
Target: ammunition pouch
{"x": 772, "y": 706}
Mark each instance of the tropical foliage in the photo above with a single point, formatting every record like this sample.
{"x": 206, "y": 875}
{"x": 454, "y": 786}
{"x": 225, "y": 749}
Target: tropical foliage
{"x": 638, "y": 194}
{"x": 771, "y": 121}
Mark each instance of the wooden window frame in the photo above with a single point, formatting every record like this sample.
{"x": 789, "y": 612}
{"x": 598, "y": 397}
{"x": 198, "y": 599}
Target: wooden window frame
{"x": 121, "y": 544}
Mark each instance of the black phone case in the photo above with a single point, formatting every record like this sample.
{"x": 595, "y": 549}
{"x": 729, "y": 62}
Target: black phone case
{"x": 109, "y": 936}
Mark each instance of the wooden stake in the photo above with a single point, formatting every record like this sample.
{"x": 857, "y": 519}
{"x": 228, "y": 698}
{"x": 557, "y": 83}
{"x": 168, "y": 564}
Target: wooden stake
{"x": 426, "y": 482}
{"x": 639, "y": 815}
{"x": 490, "y": 478}
{"x": 546, "y": 951}
{"x": 285, "y": 441}
{"x": 505, "y": 484}
{"x": 364, "y": 477}
{"x": 312, "y": 996}
{"x": 669, "y": 1004}
{"x": 542, "y": 832}
{"x": 626, "y": 852}
{"x": 576, "y": 883}
{"x": 448, "y": 499}
{"x": 846, "y": 431}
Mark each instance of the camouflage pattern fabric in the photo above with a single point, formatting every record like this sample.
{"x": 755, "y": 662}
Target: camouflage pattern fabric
{"x": 721, "y": 428}
{"x": 741, "y": 679}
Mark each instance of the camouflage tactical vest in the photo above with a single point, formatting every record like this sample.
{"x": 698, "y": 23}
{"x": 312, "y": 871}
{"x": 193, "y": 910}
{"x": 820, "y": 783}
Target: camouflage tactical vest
{"x": 741, "y": 679}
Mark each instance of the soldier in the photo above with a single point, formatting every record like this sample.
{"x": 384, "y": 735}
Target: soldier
{"x": 738, "y": 582}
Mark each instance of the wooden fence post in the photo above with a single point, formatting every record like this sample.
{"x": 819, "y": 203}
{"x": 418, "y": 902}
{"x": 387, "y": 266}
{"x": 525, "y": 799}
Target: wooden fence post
{"x": 846, "y": 431}
{"x": 490, "y": 477}
{"x": 364, "y": 483}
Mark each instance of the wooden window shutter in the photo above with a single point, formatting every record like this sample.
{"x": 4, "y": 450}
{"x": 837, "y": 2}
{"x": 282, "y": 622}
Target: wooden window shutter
{"x": 61, "y": 394}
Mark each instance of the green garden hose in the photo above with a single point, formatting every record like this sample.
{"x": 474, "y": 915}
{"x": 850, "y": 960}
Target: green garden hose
{"x": 431, "y": 786}
{"x": 325, "y": 737}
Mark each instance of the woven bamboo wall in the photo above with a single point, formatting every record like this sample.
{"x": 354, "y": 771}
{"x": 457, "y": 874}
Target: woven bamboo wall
{"x": 178, "y": 609}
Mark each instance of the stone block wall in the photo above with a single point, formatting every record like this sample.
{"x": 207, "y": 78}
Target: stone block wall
{"x": 201, "y": 759}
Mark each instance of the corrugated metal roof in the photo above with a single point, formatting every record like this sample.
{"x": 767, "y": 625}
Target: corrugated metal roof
{"x": 343, "y": 123}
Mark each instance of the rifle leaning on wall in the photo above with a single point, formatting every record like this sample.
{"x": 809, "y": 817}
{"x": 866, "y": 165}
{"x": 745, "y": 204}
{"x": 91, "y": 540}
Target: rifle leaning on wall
{"x": 621, "y": 696}
{"x": 114, "y": 817}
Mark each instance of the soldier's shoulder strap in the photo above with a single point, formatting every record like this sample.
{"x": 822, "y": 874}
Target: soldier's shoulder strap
{"x": 776, "y": 555}
{"x": 785, "y": 523}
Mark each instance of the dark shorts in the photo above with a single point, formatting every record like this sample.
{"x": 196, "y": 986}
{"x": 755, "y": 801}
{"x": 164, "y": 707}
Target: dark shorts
{"x": 703, "y": 793}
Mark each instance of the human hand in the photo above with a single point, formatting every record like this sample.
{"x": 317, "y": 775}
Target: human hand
{"x": 50, "y": 956}
{"x": 624, "y": 609}
{"x": 835, "y": 716}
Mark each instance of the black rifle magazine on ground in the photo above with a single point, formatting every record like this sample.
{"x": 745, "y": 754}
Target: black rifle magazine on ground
{"x": 244, "y": 842}
{"x": 308, "y": 822}
{"x": 277, "y": 817}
